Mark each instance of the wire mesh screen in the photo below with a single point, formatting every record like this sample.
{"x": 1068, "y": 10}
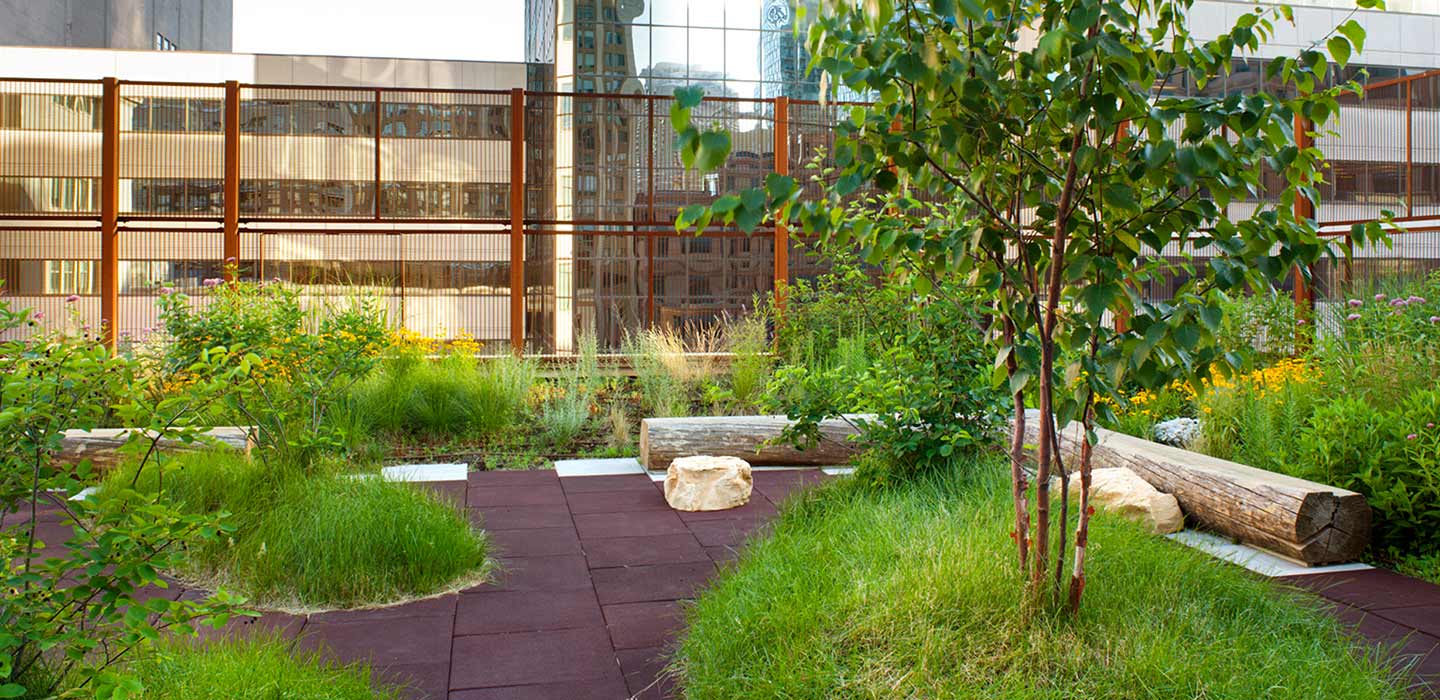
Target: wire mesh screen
{"x": 308, "y": 153}
{"x": 445, "y": 155}
{"x": 172, "y": 150}
{"x": 1424, "y": 164}
{"x": 152, "y": 261}
{"x": 1366, "y": 157}
{"x": 42, "y": 268}
{"x": 50, "y": 147}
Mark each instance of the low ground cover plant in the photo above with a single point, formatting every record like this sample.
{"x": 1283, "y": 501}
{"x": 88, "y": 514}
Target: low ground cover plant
{"x": 865, "y": 592}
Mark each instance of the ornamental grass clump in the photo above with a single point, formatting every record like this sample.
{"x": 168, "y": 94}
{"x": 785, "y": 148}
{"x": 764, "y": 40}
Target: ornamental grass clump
{"x": 455, "y": 395}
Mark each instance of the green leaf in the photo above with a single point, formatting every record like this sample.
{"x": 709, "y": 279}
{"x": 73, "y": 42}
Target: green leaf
{"x": 689, "y": 97}
{"x": 1339, "y": 48}
{"x": 1355, "y": 33}
{"x": 11, "y": 690}
{"x": 714, "y": 148}
{"x": 1052, "y": 43}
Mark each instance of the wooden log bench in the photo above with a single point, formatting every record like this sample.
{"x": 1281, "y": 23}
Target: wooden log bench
{"x": 102, "y": 445}
{"x": 1305, "y": 521}
{"x": 664, "y": 439}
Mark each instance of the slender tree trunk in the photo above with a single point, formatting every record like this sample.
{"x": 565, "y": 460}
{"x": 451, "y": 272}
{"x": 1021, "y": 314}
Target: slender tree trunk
{"x": 1018, "y": 486}
{"x": 1082, "y": 531}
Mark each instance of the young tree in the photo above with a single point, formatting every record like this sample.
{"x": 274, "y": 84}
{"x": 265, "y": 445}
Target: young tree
{"x": 1049, "y": 152}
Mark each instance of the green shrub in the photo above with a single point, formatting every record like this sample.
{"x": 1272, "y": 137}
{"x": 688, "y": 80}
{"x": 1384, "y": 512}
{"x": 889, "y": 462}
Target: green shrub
{"x": 260, "y": 668}
{"x": 564, "y": 416}
{"x": 903, "y": 592}
{"x": 916, "y": 361}
{"x": 455, "y": 395}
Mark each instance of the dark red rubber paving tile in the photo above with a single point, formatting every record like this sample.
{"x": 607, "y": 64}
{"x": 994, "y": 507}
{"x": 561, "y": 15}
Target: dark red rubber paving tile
{"x": 724, "y": 533}
{"x": 383, "y": 643}
{"x": 638, "y": 584}
{"x": 421, "y": 681}
{"x": 561, "y": 573}
{"x": 512, "y": 477}
{"x": 638, "y": 524}
{"x": 520, "y": 517}
{"x": 535, "y": 542}
{"x": 596, "y": 689}
{"x": 645, "y": 674}
{"x": 528, "y": 495}
{"x": 439, "y": 606}
{"x": 526, "y": 611}
{"x": 778, "y": 485}
{"x": 1371, "y": 589}
{"x": 644, "y": 625}
{"x": 631, "y": 501}
{"x": 756, "y": 510}
{"x": 617, "y": 482}
{"x": 723, "y": 555}
{"x": 521, "y": 658}
{"x": 452, "y": 492}
{"x": 1424, "y": 618}
{"x": 639, "y": 551}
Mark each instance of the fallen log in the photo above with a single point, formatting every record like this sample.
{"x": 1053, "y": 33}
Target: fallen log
{"x": 664, "y": 439}
{"x": 102, "y": 445}
{"x": 1306, "y": 521}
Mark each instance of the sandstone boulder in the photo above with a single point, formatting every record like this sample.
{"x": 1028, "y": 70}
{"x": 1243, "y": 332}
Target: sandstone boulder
{"x": 707, "y": 483}
{"x": 1124, "y": 493}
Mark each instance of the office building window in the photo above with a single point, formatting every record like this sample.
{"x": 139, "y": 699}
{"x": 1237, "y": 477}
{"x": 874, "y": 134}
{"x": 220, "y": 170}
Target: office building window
{"x": 163, "y": 43}
{"x": 69, "y": 277}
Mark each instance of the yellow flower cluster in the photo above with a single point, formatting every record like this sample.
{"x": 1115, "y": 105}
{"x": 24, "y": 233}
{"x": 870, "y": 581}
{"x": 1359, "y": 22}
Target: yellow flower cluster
{"x": 406, "y": 340}
{"x": 1269, "y": 379}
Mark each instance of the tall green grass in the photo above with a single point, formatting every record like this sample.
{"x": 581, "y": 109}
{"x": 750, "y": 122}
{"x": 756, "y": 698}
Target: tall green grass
{"x": 315, "y": 539}
{"x": 455, "y": 395}
{"x": 261, "y": 668}
{"x": 913, "y": 592}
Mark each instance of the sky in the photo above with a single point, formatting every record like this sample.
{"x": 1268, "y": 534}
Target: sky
{"x": 477, "y": 30}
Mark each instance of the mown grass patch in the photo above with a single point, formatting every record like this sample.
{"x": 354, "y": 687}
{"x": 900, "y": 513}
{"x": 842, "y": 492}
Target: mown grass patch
{"x": 260, "y": 668}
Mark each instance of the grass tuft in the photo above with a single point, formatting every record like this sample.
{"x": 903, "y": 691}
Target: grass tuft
{"x": 454, "y": 395}
{"x": 306, "y": 540}
{"x": 259, "y": 668}
{"x": 913, "y": 592}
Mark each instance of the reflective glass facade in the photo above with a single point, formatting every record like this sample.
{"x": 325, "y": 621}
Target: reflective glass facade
{"x": 736, "y": 48}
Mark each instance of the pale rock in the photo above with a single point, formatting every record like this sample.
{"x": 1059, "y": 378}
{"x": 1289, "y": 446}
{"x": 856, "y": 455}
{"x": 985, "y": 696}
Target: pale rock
{"x": 1123, "y": 492}
{"x": 707, "y": 483}
{"x": 1177, "y": 432}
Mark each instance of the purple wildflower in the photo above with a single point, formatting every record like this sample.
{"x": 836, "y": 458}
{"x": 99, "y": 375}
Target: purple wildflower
{"x": 72, "y": 298}
{"x": 230, "y": 259}
{"x": 1435, "y": 319}
{"x": 167, "y": 291}
{"x": 1353, "y": 317}
{"x": 1379, "y": 297}
{"x": 1399, "y": 303}
{"x": 85, "y": 327}
{"x": 1411, "y": 436}
{"x": 1299, "y": 321}
{"x": 1355, "y": 303}
{"x": 211, "y": 282}
{"x": 37, "y": 315}
{"x": 1416, "y": 300}
{"x": 1429, "y": 425}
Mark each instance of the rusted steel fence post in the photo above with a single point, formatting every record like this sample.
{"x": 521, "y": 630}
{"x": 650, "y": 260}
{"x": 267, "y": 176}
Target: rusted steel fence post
{"x": 110, "y": 211}
{"x": 517, "y": 221}
{"x": 232, "y": 181}
{"x": 650, "y": 213}
{"x": 782, "y": 167}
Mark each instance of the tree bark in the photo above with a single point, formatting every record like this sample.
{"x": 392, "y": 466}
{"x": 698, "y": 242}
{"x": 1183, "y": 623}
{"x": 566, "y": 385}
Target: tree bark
{"x": 664, "y": 439}
{"x": 1301, "y": 520}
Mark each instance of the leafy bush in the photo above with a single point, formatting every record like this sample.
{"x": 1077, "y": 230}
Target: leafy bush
{"x": 74, "y": 605}
{"x": 916, "y": 361}
{"x": 901, "y": 593}
{"x": 1257, "y": 418}
{"x": 259, "y": 668}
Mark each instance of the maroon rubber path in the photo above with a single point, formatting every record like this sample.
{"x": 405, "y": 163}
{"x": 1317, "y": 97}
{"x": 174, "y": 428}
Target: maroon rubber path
{"x": 594, "y": 573}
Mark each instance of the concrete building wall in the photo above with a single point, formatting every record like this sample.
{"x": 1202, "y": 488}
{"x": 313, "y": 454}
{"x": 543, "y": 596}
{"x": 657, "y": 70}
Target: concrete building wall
{"x": 194, "y": 25}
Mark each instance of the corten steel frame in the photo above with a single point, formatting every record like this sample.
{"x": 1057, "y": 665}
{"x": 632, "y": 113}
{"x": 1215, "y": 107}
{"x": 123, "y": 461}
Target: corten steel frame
{"x": 1405, "y": 183}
